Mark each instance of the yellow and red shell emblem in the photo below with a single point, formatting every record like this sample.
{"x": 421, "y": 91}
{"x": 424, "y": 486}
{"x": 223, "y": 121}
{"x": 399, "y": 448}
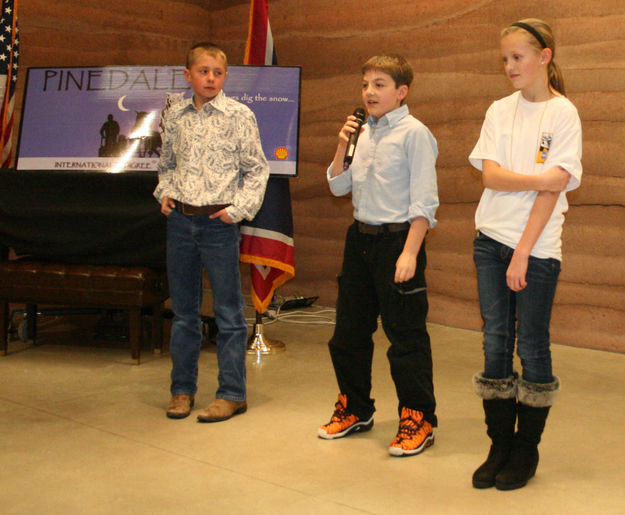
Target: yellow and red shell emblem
{"x": 281, "y": 153}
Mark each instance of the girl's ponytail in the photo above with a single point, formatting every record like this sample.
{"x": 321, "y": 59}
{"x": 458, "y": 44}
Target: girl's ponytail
{"x": 556, "y": 80}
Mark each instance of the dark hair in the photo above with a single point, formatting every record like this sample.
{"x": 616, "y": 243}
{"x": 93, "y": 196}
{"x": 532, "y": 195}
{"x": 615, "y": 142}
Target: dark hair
{"x": 556, "y": 80}
{"x": 208, "y": 48}
{"x": 393, "y": 64}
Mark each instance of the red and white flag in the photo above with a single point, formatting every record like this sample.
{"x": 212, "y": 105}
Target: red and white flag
{"x": 267, "y": 241}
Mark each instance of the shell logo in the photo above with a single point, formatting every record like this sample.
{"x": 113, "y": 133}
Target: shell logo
{"x": 281, "y": 153}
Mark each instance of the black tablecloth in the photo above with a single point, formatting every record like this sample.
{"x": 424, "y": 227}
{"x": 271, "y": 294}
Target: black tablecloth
{"x": 83, "y": 217}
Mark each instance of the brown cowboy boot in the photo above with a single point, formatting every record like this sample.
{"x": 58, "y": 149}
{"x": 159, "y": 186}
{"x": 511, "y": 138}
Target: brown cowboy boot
{"x": 180, "y": 406}
{"x": 222, "y": 409}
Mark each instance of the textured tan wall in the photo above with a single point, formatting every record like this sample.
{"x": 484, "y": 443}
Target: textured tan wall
{"x": 115, "y": 32}
{"x": 452, "y": 45}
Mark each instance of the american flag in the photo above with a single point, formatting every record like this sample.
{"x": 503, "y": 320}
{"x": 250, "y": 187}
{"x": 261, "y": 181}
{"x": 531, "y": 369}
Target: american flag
{"x": 9, "y": 54}
{"x": 267, "y": 241}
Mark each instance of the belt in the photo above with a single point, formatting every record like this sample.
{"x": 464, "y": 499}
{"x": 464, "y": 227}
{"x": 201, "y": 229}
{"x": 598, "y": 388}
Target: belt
{"x": 383, "y": 228}
{"x": 188, "y": 209}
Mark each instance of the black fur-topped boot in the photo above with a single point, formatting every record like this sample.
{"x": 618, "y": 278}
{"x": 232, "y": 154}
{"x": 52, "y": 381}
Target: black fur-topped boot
{"x": 499, "y": 402}
{"x": 535, "y": 400}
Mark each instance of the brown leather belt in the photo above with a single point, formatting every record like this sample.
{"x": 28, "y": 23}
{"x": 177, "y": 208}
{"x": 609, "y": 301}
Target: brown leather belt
{"x": 383, "y": 228}
{"x": 188, "y": 209}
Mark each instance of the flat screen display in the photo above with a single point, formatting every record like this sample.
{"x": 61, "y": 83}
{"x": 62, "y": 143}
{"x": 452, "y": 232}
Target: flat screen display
{"x": 107, "y": 118}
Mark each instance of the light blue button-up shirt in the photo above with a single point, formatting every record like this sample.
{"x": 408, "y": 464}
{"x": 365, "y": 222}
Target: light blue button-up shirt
{"x": 392, "y": 176}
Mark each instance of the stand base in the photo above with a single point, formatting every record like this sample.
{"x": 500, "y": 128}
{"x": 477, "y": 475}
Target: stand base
{"x": 258, "y": 343}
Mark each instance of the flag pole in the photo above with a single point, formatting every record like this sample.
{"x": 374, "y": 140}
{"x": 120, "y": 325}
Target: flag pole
{"x": 259, "y": 50}
{"x": 259, "y": 344}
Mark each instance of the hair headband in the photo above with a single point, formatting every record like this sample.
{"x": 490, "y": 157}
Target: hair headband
{"x": 532, "y": 31}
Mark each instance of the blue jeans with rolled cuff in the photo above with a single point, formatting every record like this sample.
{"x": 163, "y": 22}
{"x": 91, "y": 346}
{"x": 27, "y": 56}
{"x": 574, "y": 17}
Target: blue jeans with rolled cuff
{"x": 195, "y": 242}
{"x": 515, "y": 317}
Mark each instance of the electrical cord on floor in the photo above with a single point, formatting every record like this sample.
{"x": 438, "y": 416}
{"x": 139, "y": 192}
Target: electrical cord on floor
{"x": 275, "y": 314}
{"x": 307, "y": 318}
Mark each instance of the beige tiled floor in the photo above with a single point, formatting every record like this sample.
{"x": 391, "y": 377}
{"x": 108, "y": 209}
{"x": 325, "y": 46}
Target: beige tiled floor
{"x": 83, "y": 431}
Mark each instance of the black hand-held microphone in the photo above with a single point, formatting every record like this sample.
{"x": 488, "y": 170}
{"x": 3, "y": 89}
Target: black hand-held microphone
{"x": 359, "y": 113}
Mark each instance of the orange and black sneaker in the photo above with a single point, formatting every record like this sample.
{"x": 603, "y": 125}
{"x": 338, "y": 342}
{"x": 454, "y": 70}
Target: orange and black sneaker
{"x": 343, "y": 423}
{"x": 414, "y": 434}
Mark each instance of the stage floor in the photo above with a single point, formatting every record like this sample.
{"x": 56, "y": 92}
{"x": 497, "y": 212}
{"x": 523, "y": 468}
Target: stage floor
{"x": 84, "y": 431}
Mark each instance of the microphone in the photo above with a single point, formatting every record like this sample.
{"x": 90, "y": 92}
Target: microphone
{"x": 359, "y": 113}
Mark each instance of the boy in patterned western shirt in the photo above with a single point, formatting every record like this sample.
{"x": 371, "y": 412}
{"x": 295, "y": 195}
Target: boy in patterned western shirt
{"x": 212, "y": 174}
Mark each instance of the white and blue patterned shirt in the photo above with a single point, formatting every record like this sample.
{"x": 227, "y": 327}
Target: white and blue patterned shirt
{"x": 213, "y": 156}
{"x": 393, "y": 176}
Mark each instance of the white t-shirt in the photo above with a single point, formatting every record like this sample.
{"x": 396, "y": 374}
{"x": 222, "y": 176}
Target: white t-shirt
{"x": 527, "y": 138}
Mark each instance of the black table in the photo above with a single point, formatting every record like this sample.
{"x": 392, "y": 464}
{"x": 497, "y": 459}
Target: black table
{"x": 83, "y": 217}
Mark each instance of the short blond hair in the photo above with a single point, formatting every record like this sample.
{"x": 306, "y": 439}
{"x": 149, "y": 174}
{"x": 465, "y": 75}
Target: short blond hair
{"x": 205, "y": 47}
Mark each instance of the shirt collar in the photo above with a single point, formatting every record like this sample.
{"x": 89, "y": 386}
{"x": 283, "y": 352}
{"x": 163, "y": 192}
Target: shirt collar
{"x": 219, "y": 102}
{"x": 391, "y": 118}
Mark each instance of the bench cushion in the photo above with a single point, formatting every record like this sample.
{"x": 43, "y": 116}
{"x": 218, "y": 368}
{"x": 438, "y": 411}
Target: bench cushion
{"x": 86, "y": 285}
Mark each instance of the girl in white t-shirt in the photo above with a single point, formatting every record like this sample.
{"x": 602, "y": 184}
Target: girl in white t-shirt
{"x": 529, "y": 153}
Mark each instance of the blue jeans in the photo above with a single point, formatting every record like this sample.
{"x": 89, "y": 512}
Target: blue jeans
{"x": 510, "y": 316}
{"x": 194, "y": 242}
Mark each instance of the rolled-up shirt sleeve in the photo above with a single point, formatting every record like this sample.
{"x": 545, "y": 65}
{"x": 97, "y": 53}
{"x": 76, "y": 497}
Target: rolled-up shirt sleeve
{"x": 341, "y": 184}
{"x": 422, "y": 152}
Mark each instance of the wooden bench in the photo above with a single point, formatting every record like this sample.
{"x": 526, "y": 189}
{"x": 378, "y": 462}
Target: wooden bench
{"x": 134, "y": 289}
{"x": 88, "y": 240}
